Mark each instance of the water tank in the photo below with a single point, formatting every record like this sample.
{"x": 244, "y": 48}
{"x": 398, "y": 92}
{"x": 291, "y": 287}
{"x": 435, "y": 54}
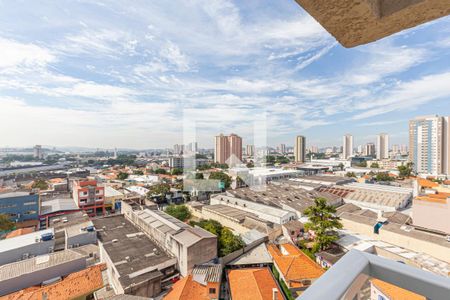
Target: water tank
{"x": 47, "y": 236}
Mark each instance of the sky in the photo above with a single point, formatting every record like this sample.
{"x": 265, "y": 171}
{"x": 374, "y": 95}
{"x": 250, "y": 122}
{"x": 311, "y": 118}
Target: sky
{"x": 134, "y": 74}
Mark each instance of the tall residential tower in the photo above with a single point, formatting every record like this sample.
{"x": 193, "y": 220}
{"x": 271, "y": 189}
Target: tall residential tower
{"x": 347, "y": 146}
{"x": 228, "y": 149}
{"x": 300, "y": 149}
{"x": 429, "y": 144}
{"x": 382, "y": 146}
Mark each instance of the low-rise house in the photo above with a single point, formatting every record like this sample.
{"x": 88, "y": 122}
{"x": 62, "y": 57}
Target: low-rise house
{"x": 327, "y": 258}
{"x": 135, "y": 264}
{"x": 253, "y": 283}
{"x": 296, "y": 269}
{"x": 202, "y": 284}
{"x": 380, "y": 290}
{"x": 293, "y": 230}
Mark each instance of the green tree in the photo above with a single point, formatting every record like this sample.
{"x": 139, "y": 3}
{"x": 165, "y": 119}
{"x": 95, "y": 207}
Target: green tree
{"x": 375, "y": 165}
{"x": 341, "y": 166}
{"x": 222, "y": 177}
{"x": 181, "y": 212}
{"x": 383, "y": 177}
{"x": 40, "y": 184}
{"x": 160, "y": 189}
{"x": 350, "y": 174}
{"x": 228, "y": 242}
{"x": 177, "y": 171}
{"x": 122, "y": 176}
{"x": 323, "y": 222}
{"x": 406, "y": 170}
{"x": 250, "y": 164}
{"x": 138, "y": 172}
{"x": 199, "y": 175}
{"x": 5, "y": 223}
{"x": 362, "y": 164}
{"x": 160, "y": 171}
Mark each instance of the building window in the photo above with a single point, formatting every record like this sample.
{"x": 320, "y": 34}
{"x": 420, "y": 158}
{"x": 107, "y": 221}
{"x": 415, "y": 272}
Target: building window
{"x": 212, "y": 290}
{"x": 30, "y": 212}
{"x": 381, "y": 297}
{"x": 30, "y": 203}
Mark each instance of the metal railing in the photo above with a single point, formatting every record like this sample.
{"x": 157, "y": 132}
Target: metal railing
{"x": 345, "y": 279}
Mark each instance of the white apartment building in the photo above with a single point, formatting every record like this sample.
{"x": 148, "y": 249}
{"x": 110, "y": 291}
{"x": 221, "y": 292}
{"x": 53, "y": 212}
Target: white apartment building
{"x": 382, "y": 146}
{"x": 429, "y": 145}
{"x": 347, "y": 146}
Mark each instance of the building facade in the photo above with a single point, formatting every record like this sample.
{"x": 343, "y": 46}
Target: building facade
{"x": 250, "y": 150}
{"x": 382, "y": 146}
{"x": 369, "y": 149}
{"x": 347, "y": 146}
{"x": 20, "y": 206}
{"x": 89, "y": 196}
{"x": 228, "y": 149}
{"x": 429, "y": 147}
{"x": 300, "y": 149}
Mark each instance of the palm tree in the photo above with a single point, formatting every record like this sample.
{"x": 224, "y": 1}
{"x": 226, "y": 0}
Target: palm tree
{"x": 323, "y": 222}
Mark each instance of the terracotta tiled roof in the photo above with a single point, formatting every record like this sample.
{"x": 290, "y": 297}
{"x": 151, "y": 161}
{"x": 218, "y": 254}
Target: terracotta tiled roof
{"x": 254, "y": 284}
{"x": 439, "y": 197}
{"x": 427, "y": 183}
{"x": 188, "y": 289}
{"x": 295, "y": 265}
{"x": 75, "y": 285}
{"x": 395, "y": 292}
{"x": 20, "y": 231}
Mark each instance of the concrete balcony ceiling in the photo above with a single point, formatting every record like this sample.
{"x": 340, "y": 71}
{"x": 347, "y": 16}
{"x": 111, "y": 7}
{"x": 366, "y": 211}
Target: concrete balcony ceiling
{"x": 357, "y": 22}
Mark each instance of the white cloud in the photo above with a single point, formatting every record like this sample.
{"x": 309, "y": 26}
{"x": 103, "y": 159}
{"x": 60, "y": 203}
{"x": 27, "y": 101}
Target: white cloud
{"x": 15, "y": 54}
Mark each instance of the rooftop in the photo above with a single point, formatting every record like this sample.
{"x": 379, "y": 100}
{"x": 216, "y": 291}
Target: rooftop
{"x": 395, "y": 292}
{"x": 254, "y": 283}
{"x": 18, "y": 232}
{"x": 229, "y": 212}
{"x": 75, "y": 285}
{"x": 14, "y": 194}
{"x": 257, "y": 255}
{"x": 23, "y": 240}
{"x": 34, "y": 264}
{"x": 58, "y": 204}
{"x": 294, "y": 264}
{"x": 167, "y": 224}
{"x": 194, "y": 286}
{"x": 281, "y": 194}
{"x": 133, "y": 254}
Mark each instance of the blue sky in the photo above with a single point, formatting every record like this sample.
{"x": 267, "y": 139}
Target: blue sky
{"x": 125, "y": 74}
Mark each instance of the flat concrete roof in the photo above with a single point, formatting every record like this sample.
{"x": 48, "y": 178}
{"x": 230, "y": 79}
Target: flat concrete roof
{"x": 37, "y": 263}
{"x": 22, "y": 240}
{"x": 133, "y": 254}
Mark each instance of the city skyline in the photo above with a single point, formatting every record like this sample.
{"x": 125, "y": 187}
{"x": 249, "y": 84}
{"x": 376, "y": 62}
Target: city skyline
{"x": 55, "y": 89}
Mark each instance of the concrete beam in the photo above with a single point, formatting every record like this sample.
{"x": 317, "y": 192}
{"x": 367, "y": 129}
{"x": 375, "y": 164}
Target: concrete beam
{"x": 357, "y": 22}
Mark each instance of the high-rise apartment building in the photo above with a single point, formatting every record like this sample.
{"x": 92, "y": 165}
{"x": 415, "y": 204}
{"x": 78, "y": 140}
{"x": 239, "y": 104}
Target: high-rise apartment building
{"x": 282, "y": 148}
{"x": 299, "y": 149}
{"x": 228, "y": 149}
{"x": 382, "y": 146}
{"x": 250, "y": 151}
{"x": 429, "y": 144}
{"x": 403, "y": 149}
{"x": 369, "y": 149}
{"x": 395, "y": 149}
{"x": 38, "y": 151}
{"x": 347, "y": 146}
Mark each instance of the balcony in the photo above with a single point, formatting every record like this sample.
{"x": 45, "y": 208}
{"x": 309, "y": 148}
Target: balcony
{"x": 346, "y": 278}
